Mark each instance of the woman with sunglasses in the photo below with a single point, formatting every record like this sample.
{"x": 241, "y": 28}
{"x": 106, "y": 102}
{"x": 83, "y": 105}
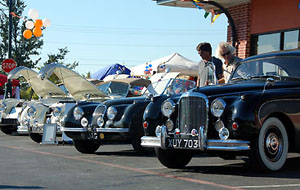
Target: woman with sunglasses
{"x": 226, "y": 51}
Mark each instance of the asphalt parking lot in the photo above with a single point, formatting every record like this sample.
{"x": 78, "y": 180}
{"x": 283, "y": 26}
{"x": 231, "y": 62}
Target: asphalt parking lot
{"x": 28, "y": 165}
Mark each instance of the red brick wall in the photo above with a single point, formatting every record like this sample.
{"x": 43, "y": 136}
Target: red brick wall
{"x": 241, "y": 15}
{"x": 274, "y": 15}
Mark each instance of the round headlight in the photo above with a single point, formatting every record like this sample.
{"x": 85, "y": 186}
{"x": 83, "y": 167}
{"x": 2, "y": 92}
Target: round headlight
{"x": 167, "y": 107}
{"x": 84, "y": 122}
{"x": 169, "y": 125}
{"x": 56, "y": 112}
{"x": 78, "y": 113}
{"x": 224, "y": 133}
{"x": 31, "y": 111}
{"x": 111, "y": 112}
{"x": 219, "y": 125}
{"x": 100, "y": 121}
{"x": 217, "y": 107}
{"x": 2, "y": 107}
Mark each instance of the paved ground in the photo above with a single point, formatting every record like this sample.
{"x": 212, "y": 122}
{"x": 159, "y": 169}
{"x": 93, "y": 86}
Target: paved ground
{"x": 27, "y": 165}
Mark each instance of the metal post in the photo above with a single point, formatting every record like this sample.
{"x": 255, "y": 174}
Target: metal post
{"x": 10, "y": 25}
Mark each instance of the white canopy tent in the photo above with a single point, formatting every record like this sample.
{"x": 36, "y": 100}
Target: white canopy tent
{"x": 175, "y": 62}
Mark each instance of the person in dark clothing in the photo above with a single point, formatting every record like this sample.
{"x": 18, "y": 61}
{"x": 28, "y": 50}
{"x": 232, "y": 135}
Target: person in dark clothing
{"x": 8, "y": 89}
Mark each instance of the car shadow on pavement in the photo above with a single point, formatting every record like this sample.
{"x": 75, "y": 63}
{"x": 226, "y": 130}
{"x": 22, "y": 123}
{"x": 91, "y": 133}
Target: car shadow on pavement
{"x": 130, "y": 153}
{"x": 290, "y": 170}
{"x": 20, "y": 187}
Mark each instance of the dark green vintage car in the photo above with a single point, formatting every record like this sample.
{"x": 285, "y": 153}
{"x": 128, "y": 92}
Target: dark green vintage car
{"x": 120, "y": 120}
{"x": 257, "y": 114}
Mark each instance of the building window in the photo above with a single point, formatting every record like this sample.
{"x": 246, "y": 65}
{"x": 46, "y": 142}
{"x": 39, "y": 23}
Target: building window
{"x": 291, "y": 40}
{"x": 283, "y": 40}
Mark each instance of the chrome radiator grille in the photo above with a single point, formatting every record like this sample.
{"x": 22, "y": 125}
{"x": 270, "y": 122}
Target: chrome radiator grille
{"x": 192, "y": 113}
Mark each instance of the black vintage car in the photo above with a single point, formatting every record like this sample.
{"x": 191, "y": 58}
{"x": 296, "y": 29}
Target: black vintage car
{"x": 120, "y": 120}
{"x": 257, "y": 114}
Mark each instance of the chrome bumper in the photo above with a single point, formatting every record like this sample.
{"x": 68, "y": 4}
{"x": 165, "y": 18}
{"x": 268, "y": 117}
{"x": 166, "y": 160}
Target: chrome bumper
{"x": 98, "y": 130}
{"x": 213, "y": 144}
{"x": 22, "y": 129}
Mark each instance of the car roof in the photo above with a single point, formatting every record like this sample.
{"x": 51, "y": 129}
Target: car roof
{"x": 274, "y": 54}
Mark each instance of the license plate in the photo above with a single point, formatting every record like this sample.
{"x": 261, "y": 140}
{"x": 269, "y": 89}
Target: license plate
{"x": 183, "y": 143}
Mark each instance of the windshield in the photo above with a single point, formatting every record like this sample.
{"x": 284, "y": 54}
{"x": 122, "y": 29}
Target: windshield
{"x": 172, "y": 86}
{"x": 262, "y": 68}
{"x": 180, "y": 86}
{"x": 115, "y": 88}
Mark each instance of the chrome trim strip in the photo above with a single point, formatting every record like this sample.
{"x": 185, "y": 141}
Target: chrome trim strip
{"x": 67, "y": 129}
{"x": 113, "y": 130}
{"x": 161, "y": 2}
{"x": 147, "y": 141}
{"x": 228, "y": 145}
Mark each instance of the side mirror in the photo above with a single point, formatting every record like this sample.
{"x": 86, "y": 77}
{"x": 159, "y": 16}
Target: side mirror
{"x": 150, "y": 96}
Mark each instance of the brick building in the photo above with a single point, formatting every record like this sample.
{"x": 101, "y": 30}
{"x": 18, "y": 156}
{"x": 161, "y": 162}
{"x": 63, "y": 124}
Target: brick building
{"x": 261, "y": 25}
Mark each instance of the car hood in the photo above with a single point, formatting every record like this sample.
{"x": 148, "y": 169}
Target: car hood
{"x": 78, "y": 87}
{"x": 11, "y": 103}
{"x": 243, "y": 87}
{"x": 42, "y": 88}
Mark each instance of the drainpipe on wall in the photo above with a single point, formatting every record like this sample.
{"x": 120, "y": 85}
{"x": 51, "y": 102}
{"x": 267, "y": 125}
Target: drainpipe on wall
{"x": 230, "y": 20}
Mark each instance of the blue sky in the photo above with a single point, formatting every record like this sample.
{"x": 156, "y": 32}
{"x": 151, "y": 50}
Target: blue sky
{"x": 99, "y": 33}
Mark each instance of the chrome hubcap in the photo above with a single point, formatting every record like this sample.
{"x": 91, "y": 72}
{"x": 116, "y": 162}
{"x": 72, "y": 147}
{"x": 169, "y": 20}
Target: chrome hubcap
{"x": 272, "y": 143}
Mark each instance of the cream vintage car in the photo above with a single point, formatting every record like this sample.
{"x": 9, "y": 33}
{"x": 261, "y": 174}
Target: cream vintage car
{"x": 11, "y": 108}
{"x": 48, "y": 92}
{"x": 40, "y": 116}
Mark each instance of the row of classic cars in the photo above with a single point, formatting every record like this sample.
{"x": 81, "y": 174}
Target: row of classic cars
{"x": 70, "y": 107}
{"x": 255, "y": 115}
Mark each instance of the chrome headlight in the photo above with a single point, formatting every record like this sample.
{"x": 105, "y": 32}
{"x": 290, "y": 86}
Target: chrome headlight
{"x": 167, "y": 107}
{"x": 84, "y": 122}
{"x": 169, "y": 125}
{"x": 31, "y": 112}
{"x": 100, "y": 121}
{"x": 111, "y": 112}
{"x": 217, "y": 107}
{"x": 2, "y": 107}
{"x": 78, "y": 113}
{"x": 56, "y": 112}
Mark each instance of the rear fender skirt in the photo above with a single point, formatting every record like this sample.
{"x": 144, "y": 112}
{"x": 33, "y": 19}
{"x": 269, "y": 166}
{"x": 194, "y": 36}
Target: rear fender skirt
{"x": 289, "y": 107}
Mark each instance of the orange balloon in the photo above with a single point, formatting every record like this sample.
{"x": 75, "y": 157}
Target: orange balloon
{"x": 38, "y": 23}
{"x": 27, "y": 34}
{"x": 37, "y": 32}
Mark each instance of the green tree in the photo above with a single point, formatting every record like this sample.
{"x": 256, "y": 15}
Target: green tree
{"x": 22, "y": 48}
{"x": 60, "y": 58}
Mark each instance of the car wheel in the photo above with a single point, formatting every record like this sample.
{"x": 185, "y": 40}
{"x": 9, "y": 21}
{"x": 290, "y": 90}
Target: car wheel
{"x": 271, "y": 147}
{"x": 36, "y": 137}
{"x": 8, "y": 131}
{"x": 173, "y": 158}
{"x": 136, "y": 133}
{"x": 86, "y": 147}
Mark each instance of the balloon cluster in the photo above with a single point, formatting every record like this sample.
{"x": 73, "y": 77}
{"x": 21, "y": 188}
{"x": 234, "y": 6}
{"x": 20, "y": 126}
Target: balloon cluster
{"x": 148, "y": 69}
{"x": 35, "y": 25}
